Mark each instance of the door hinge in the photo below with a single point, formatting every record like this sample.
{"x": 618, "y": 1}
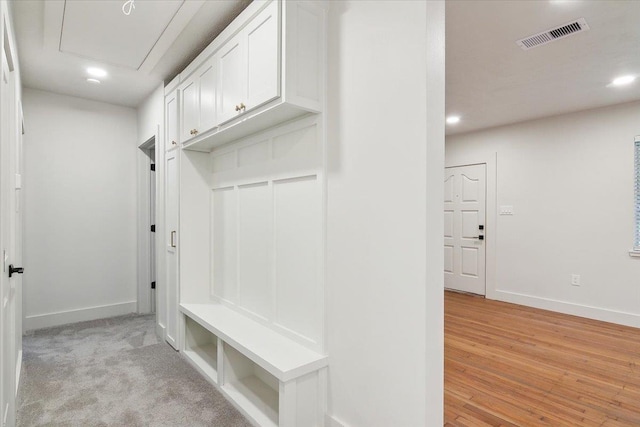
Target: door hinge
{"x": 153, "y": 285}
{"x": 153, "y": 167}
{"x": 153, "y": 228}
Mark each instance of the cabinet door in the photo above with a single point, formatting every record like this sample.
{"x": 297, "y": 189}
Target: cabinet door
{"x": 171, "y": 120}
{"x": 263, "y": 57}
{"x": 232, "y": 81}
{"x": 190, "y": 109}
{"x": 207, "y": 85}
{"x": 171, "y": 254}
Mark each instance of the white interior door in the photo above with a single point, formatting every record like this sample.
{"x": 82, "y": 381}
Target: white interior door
{"x": 171, "y": 233}
{"x": 464, "y": 228}
{"x": 8, "y": 147}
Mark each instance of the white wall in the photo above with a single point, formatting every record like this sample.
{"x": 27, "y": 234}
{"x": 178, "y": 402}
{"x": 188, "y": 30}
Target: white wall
{"x": 80, "y": 227}
{"x": 385, "y": 164}
{"x": 570, "y": 180}
{"x": 150, "y": 114}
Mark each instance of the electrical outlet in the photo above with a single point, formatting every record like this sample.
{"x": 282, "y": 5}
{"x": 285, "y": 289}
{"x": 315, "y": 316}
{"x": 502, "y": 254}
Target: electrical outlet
{"x": 575, "y": 280}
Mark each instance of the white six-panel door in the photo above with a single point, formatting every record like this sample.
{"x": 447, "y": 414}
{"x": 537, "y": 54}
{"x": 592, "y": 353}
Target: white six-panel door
{"x": 464, "y": 228}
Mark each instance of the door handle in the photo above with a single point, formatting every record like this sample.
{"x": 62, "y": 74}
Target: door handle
{"x": 15, "y": 270}
{"x": 173, "y": 239}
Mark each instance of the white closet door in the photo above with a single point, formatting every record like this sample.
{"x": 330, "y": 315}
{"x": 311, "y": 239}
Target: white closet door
{"x": 171, "y": 235}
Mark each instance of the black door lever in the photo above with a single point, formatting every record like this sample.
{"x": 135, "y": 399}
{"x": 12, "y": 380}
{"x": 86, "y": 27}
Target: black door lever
{"x": 17, "y": 270}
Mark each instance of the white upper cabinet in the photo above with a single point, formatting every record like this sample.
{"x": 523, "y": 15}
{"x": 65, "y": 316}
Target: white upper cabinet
{"x": 262, "y": 55}
{"x": 171, "y": 120}
{"x": 199, "y": 93}
{"x": 208, "y": 84}
{"x": 265, "y": 68}
{"x": 232, "y": 87}
{"x": 249, "y": 66}
{"x": 190, "y": 115}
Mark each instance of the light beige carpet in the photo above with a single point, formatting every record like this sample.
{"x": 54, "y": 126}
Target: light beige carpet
{"x": 114, "y": 372}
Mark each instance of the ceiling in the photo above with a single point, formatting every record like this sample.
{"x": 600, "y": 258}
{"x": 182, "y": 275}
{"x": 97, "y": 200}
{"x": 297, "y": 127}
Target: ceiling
{"x": 88, "y": 30}
{"x": 491, "y": 81}
{"x": 59, "y": 39}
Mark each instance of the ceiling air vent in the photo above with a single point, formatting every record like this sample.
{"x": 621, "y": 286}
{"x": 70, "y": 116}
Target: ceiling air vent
{"x": 553, "y": 34}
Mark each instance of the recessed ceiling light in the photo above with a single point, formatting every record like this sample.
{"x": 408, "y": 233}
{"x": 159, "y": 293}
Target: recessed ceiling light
{"x": 623, "y": 80}
{"x": 96, "y": 72}
{"x": 452, "y": 120}
{"x": 94, "y": 81}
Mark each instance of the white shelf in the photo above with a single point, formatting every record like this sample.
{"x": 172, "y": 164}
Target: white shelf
{"x": 271, "y": 114}
{"x": 201, "y": 349}
{"x": 257, "y": 399}
{"x": 280, "y": 356}
{"x": 205, "y": 358}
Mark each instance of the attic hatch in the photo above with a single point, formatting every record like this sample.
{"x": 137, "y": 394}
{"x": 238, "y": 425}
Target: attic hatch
{"x": 553, "y": 34}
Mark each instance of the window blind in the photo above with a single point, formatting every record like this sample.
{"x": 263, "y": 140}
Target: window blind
{"x": 636, "y": 237}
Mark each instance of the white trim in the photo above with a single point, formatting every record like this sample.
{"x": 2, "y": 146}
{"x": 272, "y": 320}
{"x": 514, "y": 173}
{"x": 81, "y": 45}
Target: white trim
{"x": 171, "y": 86}
{"x": 491, "y": 219}
{"x": 40, "y": 321}
{"x": 161, "y": 273}
{"x": 144, "y": 221}
{"x": 330, "y": 421}
{"x": 160, "y": 330}
{"x": 143, "y": 230}
{"x": 18, "y": 370}
{"x": 590, "y": 312}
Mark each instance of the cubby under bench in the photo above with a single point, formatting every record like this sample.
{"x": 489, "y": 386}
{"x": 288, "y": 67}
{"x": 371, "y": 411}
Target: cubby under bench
{"x": 271, "y": 379}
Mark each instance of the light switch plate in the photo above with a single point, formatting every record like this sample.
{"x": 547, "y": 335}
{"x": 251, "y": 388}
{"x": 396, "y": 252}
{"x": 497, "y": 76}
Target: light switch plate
{"x": 506, "y": 210}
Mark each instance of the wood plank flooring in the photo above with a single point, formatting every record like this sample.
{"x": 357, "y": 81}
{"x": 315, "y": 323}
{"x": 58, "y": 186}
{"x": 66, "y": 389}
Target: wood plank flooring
{"x": 509, "y": 365}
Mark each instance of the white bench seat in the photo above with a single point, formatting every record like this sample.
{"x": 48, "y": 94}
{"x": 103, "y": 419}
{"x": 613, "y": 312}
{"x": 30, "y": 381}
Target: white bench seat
{"x": 282, "y": 357}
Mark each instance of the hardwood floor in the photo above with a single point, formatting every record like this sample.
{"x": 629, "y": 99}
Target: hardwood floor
{"x": 508, "y": 365}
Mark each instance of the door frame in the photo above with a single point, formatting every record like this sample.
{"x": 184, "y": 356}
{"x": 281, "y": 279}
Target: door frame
{"x": 491, "y": 162}
{"x": 144, "y": 222}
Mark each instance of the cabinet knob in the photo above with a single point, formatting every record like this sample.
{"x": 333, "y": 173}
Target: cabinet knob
{"x": 174, "y": 143}
{"x": 191, "y": 131}
{"x": 237, "y": 108}
{"x": 242, "y": 106}
{"x": 195, "y": 131}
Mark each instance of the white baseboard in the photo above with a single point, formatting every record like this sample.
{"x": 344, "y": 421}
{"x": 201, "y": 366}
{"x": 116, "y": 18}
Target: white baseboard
{"x": 18, "y": 370}
{"x": 161, "y": 331}
{"x": 329, "y": 421}
{"x": 590, "y": 312}
{"x": 40, "y": 321}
